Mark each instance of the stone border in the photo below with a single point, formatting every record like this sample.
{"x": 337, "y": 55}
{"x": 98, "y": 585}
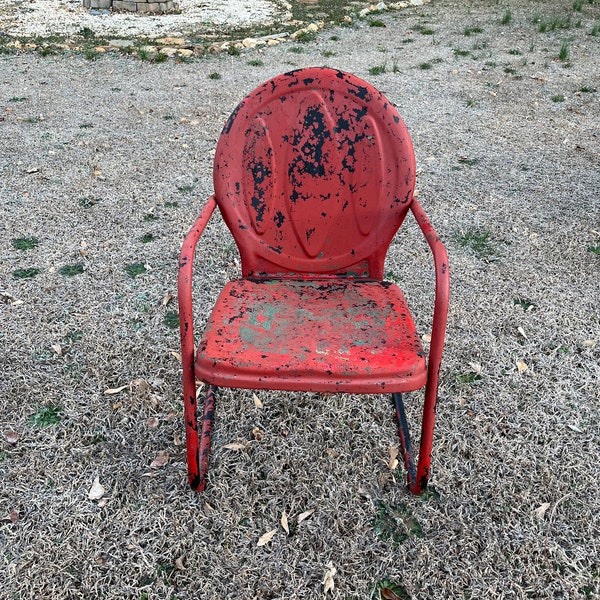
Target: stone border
{"x": 141, "y": 6}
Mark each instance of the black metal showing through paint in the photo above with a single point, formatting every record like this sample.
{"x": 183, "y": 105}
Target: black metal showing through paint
{"x": 311, "y": 160}
{"x": 404, "y": 434}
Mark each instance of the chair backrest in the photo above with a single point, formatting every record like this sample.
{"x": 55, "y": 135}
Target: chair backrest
{"x": 314, "y": 173}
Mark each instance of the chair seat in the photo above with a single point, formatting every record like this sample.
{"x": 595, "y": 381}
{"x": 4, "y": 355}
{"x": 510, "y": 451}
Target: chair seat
{"x": 312, "y": 335}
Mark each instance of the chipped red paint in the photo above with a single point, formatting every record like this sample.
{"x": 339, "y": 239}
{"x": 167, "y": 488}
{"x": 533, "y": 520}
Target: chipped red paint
{"x": 314, "y": 173}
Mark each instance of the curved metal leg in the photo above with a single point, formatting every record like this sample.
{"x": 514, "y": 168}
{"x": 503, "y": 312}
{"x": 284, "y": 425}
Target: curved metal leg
{"x": 198, "y": 446}
{"x": 417, "y": 475}
{"x": 405, "y": 444}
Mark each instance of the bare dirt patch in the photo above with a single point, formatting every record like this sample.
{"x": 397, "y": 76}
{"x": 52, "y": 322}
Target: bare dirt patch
{"x": 104, "y": 165}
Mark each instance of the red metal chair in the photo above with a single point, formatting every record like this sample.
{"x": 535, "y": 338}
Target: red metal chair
{"x": 314, "y": 173}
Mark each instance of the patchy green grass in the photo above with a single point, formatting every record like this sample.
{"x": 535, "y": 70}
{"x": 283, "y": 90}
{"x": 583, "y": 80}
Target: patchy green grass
{"x": 526, "y": 305}
{"x": 469, "y": 378}
{"x": 88, "y": 202}
{"x": 26, "y": 273}
{"x": 306, "y": 36}
{"x": 150, "y": 217}
{"x": 256, "y": 62}
{"x": 558, "y": 98}
{"x": 377, "y": 70}
{"x": 135, "y": 269}
{"x": 594, "y": 249}
{"x": 18, "y": 99}
{"x": 469, "y": 31}
{"x": 506, "y": 17}
{"x": 425, "y": 66}
{"x": 71, "y": 270}
{"x": 554, "y": 23}
{"x": 479, "y": 242}
{"x": 459, "y": 52}
{"x": 171, "y": 319}
{"x": 395, "y": 523}
{"x": 215, "y": 75}
{"x": 376, "y": 23}
{"x": 146, "y": 238}
{"x": 385, "y": 589}
{"x": 563, "y": 53}
{"x": 25, "y": 243}
{"x": 46, "y": 415}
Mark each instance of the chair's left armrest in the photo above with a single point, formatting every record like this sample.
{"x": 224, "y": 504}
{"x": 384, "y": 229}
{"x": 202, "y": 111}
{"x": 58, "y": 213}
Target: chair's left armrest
{"x": 184, "y": 295}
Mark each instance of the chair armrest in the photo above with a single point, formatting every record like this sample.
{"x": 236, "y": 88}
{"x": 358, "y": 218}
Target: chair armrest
{"x": 184, "y": 297}
{"x": 438, "y": 332}
{"x": 442, "y": 282}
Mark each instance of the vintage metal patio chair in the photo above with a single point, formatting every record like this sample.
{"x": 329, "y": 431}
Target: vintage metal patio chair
{"x": 314, "y": 173}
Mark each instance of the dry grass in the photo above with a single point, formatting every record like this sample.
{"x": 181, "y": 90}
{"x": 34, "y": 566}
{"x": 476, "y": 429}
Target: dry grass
{"x": 101, "y": 154}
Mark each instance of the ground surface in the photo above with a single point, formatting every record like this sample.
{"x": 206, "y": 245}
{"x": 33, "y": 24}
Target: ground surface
{"x": 106, "y": 162}
{"x": 44, "y": 17}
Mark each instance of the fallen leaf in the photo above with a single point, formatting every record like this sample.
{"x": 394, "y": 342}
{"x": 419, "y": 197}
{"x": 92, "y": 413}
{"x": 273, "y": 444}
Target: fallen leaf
{"x": 257, "y": 433}
{"x": 102, "y": 502}
{"x": 589, "y": 343}
{"x": 162, "y": 458}
{"x": 117, "y": 405}
{"x": 541, "y": 510}
{"x": 522, "y": 366}
{"x": 305, "y": 515}
{"x": 266, "y": 538}
{"x": 97, "y": 490}
{"x": 179, "y": 563}
{"x": 388, "y": 594}
{"x": 141, "y": 383}
{"x": 393, "y": 457}
{"x": 57, "y": 348}
{"x": 574, "y": 428}
{"x": 284, "y": 523}
{"x": 167, "y": 299}
{"x": 257, "y": 401}
{"x": 328, "y": 583}
{"x": 33, "y": 170}
{"x": 522, "y": 332}
{"x": 426, "y": 337}
{"x": 152, "y": 422}
{"x": 476, "y": 368}
{"x": 14, "y": 516}
{"x": 177, "y": 441}
{"x": 176, "y": 355}
{"x": 115, "y": 390}
{"x": 208, "y": 507}
{"x": 234, "y": 446}
{"x": 97, "y": 171}
{"x": 12, "y": 437}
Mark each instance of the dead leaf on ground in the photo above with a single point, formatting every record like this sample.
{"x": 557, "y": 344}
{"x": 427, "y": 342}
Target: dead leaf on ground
{"x": 303, "y": 516}
{"x": 328, "y": 582}
{"x": 476, "y": 368}
{"x": 116, "y": 390}
{"x": 541, "y": 510}
{"x": 284, "y": 523}
{"x": 389, "y": 595}
{"x": 426, "y": 337}
{"x": 57, "y": 349}
{"x": 258, "y": 434}
{"x": 166, "y": 299}
{"x": 589, "y": 343}
{"x": 140, "y": 383}
{"x": 152, "y": 422}
{"x": 393, "y": 463}
{"x": 162, "y": 458}
{"x": 12, "y": 437}
{"x": 97, "y": 490}
{"x": 522, "y": 332}
{"x": 257, "y": 401}
{"x": 266, "y": 538}
{"x": 235, "y": 446}
{"x": 522, "y": 366}
{"x": 179, "y": 563}
{"x": 176, "y": 355}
